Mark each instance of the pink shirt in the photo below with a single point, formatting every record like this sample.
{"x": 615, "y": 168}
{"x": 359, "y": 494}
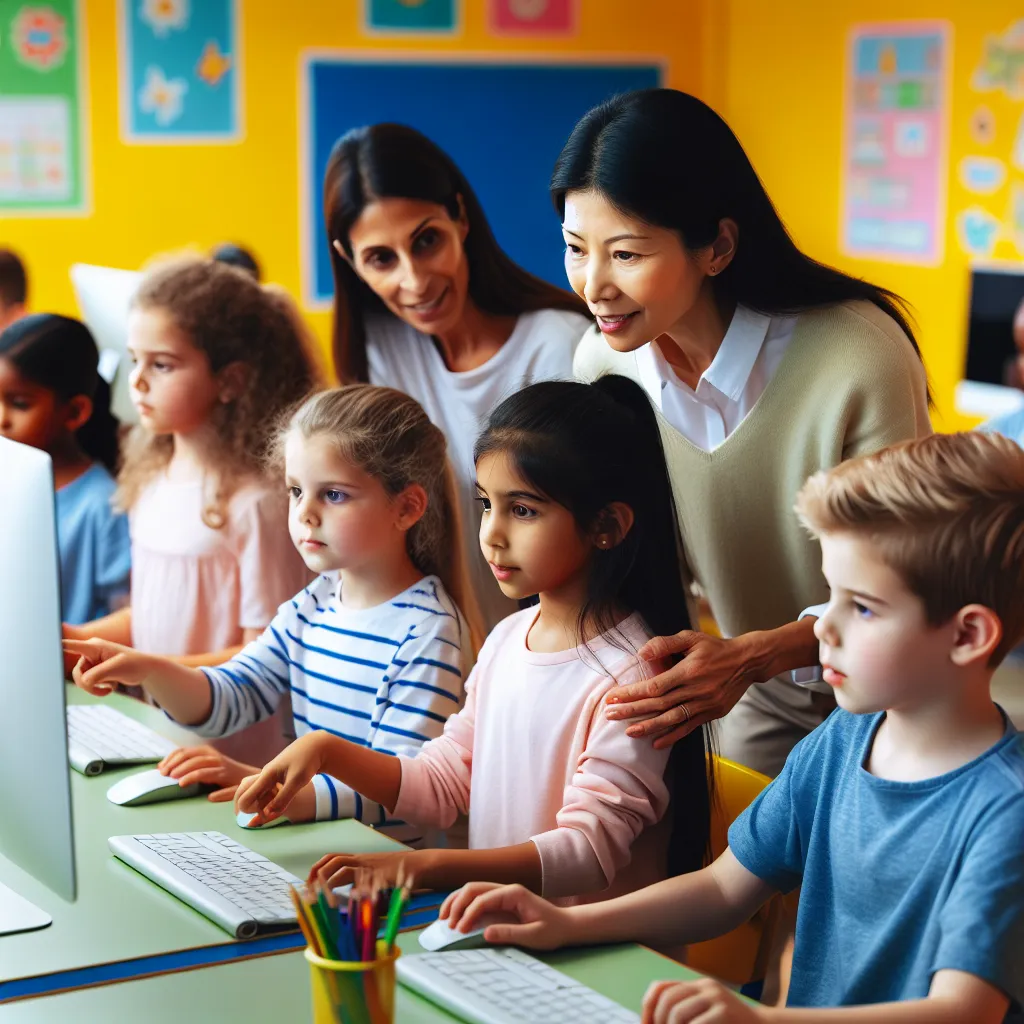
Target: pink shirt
{"x": 195, "y": 589}
{"x": 532, "y": 757}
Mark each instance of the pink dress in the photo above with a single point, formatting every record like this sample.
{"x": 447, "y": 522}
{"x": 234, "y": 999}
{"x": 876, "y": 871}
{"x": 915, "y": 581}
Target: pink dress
{"x": 532, "y": 757}
{"x": 195, "y": 589}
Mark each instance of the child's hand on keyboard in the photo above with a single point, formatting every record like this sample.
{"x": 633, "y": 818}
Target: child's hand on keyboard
{"x": 706, "y": 999}
{"x": 271, "y": 791}
{"x": 102, "y": 665}
{"x": 340, "y": 868}
{"x": 541, "y": 924}
{"x": 209, "y": 766}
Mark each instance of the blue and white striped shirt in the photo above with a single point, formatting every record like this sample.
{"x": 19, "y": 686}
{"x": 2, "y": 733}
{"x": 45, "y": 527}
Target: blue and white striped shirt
{"x": 386, "y": 677}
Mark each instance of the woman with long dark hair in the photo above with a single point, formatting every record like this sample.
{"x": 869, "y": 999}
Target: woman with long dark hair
{"x": 765, "y": 366}
{"x": 426, "y": 301}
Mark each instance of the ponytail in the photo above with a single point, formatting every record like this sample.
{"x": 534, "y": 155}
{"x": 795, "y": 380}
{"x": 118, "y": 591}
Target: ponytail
{"x": 98, "y": 437}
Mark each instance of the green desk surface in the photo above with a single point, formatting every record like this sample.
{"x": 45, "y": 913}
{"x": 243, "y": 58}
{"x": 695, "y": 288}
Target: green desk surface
{"x": 120, "y": 915}
{"x": 276, "y": 988}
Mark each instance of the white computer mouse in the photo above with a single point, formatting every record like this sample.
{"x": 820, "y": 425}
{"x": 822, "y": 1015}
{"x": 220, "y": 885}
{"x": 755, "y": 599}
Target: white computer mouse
{"x": 150, "y": 787}
{"x": 244, "y": 820}
{"x": 439, "y": 938}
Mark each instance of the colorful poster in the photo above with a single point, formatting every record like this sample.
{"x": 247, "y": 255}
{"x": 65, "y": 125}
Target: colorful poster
{"x": 42, "y": 132}
{"x": 412, "y": 16}
{"x": 180, "y": 74}
{"x": 534, "y": 17}
{"x": 895, "y": 142}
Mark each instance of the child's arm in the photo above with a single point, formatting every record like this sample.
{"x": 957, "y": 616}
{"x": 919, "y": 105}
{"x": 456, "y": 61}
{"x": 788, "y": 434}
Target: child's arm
{"x": 116, "y": 627}
{"x": 184, "y": 693}
{"x": 954, "y": 997}
{"x": 687, "y": 908}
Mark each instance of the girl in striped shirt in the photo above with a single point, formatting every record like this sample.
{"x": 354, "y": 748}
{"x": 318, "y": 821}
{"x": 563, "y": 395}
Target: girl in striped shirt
{"x": 375, "y": 649}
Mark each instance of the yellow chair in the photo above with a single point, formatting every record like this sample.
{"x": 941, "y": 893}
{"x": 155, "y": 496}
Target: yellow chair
{"x": 739, "y": 956}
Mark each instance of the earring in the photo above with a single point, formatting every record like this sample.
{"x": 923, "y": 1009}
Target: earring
{"x": 712, "y": 271}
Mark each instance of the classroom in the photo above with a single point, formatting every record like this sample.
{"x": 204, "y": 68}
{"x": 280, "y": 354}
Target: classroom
{"x": 513, "y": 510}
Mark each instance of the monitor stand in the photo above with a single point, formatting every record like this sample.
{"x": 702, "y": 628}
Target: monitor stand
{"x": 18, "y": 915}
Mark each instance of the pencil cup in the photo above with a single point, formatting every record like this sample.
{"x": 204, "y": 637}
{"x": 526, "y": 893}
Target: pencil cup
{"x": 354, "y": 991}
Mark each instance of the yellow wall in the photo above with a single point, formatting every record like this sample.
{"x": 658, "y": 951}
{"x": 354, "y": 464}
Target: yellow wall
{"x": 783, "y": 96}
{"x": 151, "y": 198}
{"x": 775, "y": 72}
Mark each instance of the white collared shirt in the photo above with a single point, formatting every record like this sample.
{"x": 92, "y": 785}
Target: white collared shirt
{"x": 728, "y": 389}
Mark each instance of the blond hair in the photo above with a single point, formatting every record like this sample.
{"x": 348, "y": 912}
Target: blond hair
{"x": 945, "y": 512}
{"x": 230, "y": 318}
{"x": 387, "y": 434}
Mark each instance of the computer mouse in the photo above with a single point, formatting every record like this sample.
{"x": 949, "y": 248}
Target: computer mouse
{"x": 439, "y": 938}
{"x": 150, "y": 787}
{"x": 243, "y": 818}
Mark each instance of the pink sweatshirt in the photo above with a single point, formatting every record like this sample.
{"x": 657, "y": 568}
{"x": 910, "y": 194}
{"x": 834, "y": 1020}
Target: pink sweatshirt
{"x": 532, "y": 756}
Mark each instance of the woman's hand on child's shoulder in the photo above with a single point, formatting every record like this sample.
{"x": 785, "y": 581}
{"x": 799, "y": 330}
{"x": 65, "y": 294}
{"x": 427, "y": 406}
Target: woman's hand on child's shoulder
{"x": 102, "y": 665}
{"x": 540, "y": 924}
{"x": 208, "y": 766}
{"x": 269, "y": 792}
{"x": 678, "y": 1002}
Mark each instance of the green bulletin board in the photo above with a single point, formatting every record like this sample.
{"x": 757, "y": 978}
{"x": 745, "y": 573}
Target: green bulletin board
{"x": 41, "y": 107}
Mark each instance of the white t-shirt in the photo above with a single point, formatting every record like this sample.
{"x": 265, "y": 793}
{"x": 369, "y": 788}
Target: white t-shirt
{"x": 540, "y": 347}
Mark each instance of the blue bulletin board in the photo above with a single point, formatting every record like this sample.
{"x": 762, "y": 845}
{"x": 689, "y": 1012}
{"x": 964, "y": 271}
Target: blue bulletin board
{"x": 503, "y": 124}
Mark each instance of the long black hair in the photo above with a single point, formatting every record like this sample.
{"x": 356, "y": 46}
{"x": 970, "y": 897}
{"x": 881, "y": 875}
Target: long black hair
{"x": 383, "y": 161}
{"x": 669, "y": 159}
{"x": 586, "y": 446}
{"x": 59, "y": 353}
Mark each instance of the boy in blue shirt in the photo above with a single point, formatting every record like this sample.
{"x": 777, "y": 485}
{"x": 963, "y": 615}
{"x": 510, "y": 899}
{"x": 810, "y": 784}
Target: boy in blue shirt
{"x": 902, "y": 816}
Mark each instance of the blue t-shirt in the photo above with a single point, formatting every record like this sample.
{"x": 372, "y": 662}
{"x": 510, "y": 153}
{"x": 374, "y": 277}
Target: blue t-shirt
{"x": 898, "y": 879}
{"x": 95, "y": 551}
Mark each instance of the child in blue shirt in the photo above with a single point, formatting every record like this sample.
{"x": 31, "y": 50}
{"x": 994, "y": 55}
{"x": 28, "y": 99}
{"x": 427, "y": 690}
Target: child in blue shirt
{"x": 901, "y": 818}
{"x": 53, "y": 398}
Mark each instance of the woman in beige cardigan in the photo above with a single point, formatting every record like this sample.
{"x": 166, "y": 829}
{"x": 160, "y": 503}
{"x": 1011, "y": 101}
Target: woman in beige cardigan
{"x": 765, "y": 366}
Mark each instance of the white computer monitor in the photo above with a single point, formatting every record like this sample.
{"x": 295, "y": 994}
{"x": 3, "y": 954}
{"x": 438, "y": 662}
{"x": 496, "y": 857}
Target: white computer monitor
{"x": 35, "y": 798}
{"x": 104, "y": 297}
{"x": 989, "y": 387}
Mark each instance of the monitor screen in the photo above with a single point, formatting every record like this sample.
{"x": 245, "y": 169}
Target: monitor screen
{"x": 992, "y": 383}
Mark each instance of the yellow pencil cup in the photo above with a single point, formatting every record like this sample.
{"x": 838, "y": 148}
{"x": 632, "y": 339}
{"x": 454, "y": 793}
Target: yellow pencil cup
{"x": 354, "y": 992}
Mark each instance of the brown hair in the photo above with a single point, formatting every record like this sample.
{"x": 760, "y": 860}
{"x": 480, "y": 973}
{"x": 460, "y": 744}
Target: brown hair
{"x": 230, "y": 318}
{"x": 388, "y": 435}
{"x": 382, "y": 161}
{"x": 945, "y": 512}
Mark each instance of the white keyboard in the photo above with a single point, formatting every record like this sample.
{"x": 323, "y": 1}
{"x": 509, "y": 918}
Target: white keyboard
{"x": 505, "y": 985}
{"x": 99, "y": 736}
{"x": 225, "y": 881}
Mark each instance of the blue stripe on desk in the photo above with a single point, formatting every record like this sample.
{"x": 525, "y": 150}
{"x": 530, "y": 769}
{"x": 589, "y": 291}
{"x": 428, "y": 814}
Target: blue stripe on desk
{"x": 421, "y": 911}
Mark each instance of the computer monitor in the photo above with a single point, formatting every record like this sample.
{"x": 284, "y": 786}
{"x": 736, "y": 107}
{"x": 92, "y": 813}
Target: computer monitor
{"x": 104, "y": 297}
{"x": 35, "y": 798}
{"x": 990, "y": 387}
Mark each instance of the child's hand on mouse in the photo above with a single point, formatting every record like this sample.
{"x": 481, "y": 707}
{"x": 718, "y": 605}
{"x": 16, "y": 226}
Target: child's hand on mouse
{"x": 534, "y": 922}
{"x": 208, "y": 766}
{"x": 102, "y": 665}
{"x": 269, "y": 793}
